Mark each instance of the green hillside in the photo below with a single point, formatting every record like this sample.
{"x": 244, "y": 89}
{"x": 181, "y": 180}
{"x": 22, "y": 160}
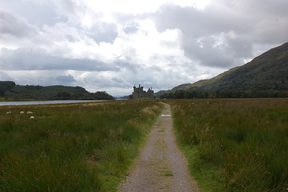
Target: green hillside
{"x": 268, "y": 71}
{"x": 10, "y": 91}
{"x": 264, "y": 76}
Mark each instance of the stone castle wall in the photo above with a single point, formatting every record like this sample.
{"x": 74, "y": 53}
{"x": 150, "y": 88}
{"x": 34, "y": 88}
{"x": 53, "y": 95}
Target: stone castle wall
{"x": 139, "y": 92}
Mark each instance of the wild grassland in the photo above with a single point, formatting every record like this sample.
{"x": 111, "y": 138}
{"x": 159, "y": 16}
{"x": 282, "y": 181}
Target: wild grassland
{"x": 71, "y": 147}
{"x": 235, "y": 144}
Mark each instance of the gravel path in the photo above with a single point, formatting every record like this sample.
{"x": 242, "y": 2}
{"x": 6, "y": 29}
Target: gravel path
{"x": 161, "y": 165}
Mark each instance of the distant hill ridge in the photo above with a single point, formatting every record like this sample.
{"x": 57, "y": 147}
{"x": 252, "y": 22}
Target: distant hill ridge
{"x": 10, "y": 91}
{"x": 265, "y": 73}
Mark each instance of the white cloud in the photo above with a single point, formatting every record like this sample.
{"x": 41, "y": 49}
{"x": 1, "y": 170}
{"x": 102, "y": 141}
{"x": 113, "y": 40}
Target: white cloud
{"x": 111, "y": 45}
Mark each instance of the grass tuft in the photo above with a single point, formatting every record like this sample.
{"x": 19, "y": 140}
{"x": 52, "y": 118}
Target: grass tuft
{"x": 235, "y": 144}
{"x": 72, "y": 147}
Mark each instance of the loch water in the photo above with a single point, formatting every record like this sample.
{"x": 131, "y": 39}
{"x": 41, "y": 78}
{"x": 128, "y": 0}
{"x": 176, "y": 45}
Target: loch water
{"x": 7, "y": 103}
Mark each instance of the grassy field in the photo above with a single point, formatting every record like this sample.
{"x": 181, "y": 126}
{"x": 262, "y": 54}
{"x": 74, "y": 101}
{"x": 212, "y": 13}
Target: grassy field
{"x": 71, "y": 147}
{"x": 235, "y": 144}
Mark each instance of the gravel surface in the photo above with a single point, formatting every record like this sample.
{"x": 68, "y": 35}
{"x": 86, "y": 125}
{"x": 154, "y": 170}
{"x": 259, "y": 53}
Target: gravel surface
{"x": 161, "y": 165}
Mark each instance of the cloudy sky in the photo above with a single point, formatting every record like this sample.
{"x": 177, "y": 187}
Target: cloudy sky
{"x": 110, "y": 45}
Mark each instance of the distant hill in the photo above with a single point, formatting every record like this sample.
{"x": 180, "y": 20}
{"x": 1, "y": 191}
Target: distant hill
{"x": 10, "y": 91}
{"x": 264, "y": 76}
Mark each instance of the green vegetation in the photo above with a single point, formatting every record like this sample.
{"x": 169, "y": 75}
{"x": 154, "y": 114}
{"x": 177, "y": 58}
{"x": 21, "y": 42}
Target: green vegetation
{"x": 71, "y": 147}
{"x": 10, "y": 91}
{"x": 6, "y": 86}
{"x": 235, "y": 144}
{"x": 223, "y": 93}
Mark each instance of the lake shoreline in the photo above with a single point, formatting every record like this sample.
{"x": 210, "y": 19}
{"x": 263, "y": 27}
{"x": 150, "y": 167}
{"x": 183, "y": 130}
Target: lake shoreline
{"x": 14, "y": 103}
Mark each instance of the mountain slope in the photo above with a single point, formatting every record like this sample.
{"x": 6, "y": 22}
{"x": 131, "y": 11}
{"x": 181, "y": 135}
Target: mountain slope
{"x": 203, "y": 83}
{"x": 265, "y": 76}
{"x": 268, "y": 71}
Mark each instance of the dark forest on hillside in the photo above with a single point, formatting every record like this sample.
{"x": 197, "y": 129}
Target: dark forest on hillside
{"x": 10, "y": 91}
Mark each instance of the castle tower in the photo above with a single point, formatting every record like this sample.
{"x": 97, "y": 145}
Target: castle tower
{"x": 140, "y": 93}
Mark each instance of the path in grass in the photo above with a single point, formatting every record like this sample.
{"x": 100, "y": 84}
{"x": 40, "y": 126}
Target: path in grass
{"x": 161, "y": 165}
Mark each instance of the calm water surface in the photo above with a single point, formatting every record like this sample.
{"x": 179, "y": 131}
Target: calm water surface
{"x": 45, "y": 102}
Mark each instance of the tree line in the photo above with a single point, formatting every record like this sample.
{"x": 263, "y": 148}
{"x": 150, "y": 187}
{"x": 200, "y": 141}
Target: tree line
{"x": 10, "y": 91}
{"x": 224, "y": 93}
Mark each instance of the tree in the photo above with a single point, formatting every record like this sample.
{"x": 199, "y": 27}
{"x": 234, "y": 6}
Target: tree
{"x": 63, "y": 95}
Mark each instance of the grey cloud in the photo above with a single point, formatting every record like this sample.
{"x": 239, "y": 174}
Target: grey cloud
{"x": 69, "y": 6}
{"x": 35, "y": 12}
{"x": 131, "y": 28}
{"x": 72, "y": 10}
{"x": 103, "y": 32}
{"x": 126, "y": 65}
{"x": 260, "y": 7}
{"x": 42, "y": 14}
{"x": 269, "y": 19}
{"x": 270, "y": 31}
{"x": 15, "y": 26}
{"x": 105, "y": 82}
{"x": 65, "y": 79}
{"x": 117, "y": 80}
{"x": 5, "y": 77}
{"x": 252, "y": 22}
{"x": 44, "y": 78}
{"x": 240, "y": 47}
{"x": 155, "y": 69}
{"x": 207, "y": 53}
{"x": 198, "y": 28}
{"x": 149, "y": 77}
{"x": 194, "y": 22}
{"x": 124, "y": 79}
{"x": 22, "y": 59}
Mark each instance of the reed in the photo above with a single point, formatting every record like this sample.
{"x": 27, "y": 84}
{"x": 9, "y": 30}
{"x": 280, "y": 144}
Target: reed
{"x": 72, "y": 147}
{"x": 235, "y": 144}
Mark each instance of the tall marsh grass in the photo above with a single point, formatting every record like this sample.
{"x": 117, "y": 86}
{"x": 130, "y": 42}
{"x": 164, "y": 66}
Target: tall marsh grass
{"x": 72, "y": 147}
{"x": 235, "y": 144}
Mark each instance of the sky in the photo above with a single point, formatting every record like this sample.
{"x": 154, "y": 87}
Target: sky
{"x": 112, "y": 45}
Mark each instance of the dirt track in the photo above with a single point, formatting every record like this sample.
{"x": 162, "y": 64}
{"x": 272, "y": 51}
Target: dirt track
{"x": 161, "y": 165}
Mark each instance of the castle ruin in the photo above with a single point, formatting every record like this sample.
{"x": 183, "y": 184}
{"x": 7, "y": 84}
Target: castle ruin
{"x": 139, "y": 92}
